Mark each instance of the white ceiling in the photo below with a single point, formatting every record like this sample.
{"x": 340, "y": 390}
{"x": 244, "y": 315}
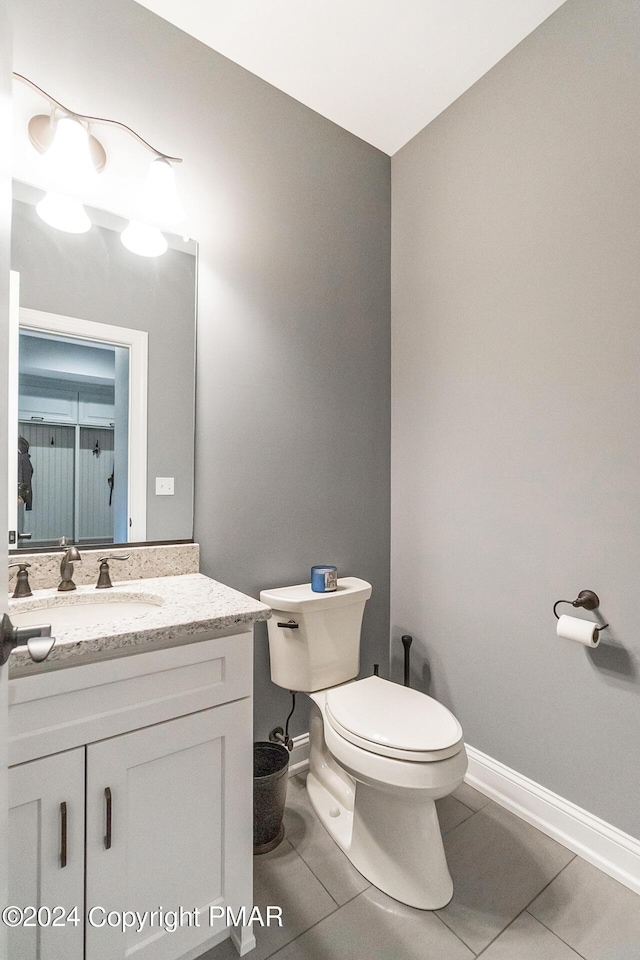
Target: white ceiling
{"x": 382, "y": 69}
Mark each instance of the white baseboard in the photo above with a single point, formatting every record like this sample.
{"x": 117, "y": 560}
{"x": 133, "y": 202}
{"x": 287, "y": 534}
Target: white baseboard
{"x": 612, "y": 851}
{"x": 299, "y": 760}
{"x": 243, "y": 940}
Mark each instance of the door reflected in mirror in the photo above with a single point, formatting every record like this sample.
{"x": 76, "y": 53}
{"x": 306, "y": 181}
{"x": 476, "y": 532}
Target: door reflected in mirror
{"x": 73, "y": 417}
{"x": 102, "y": 384}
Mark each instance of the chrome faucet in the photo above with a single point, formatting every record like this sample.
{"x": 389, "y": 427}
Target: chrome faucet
{"x": 71, "y": 555}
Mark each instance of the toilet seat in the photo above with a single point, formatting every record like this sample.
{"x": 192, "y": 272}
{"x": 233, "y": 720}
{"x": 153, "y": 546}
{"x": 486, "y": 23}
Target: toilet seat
{"x": 390, "y": 720}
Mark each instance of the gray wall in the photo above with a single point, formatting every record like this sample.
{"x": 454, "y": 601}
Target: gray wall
{"x": 516, "y": 389}
{"x": 292, "y": 215}
{"x": 92, "y": 276}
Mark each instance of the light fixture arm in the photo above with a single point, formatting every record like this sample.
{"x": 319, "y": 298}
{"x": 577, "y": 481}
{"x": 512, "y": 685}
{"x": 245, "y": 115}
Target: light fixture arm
{"x": 104, "y": 120}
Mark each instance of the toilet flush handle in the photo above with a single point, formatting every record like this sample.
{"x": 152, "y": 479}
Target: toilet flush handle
{"x": 290, "y": 625}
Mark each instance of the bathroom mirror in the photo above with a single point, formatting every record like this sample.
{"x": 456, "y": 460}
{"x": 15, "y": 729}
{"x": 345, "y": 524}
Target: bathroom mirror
{"x": 102, "y": 384}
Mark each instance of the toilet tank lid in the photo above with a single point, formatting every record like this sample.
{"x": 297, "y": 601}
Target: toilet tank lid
{"x": 302, "y": 598}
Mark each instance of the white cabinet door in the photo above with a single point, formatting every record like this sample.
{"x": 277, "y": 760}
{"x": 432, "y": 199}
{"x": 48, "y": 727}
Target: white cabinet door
{"x": 173, "y": 831}
{"x": 96, "y": 407}
{"x": 46, "y": 854}
{"x": 52, "y": 404}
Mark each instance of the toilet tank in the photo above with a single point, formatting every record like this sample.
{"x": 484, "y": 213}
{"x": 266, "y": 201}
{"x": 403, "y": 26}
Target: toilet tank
{"x": 314, "y": 638}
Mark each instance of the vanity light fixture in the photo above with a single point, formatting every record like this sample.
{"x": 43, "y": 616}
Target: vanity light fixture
{"x": 68, "y": 157}
{"x": 160, "y": 198}
{"x": 69, "y": 163}
{"x": 159, "y": 201}
{"x": 74, "y": 157}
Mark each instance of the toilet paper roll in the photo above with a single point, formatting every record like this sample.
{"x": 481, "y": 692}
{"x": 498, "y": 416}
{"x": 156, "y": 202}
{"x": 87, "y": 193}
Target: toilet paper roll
{"x": 584, "y": 631}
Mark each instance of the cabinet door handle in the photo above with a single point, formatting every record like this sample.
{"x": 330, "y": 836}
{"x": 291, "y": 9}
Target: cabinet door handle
{"x": 63, "y": 834}
{"x": 107, "y": 836}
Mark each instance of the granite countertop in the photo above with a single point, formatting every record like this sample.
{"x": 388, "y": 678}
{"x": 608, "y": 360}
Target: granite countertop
{"x": 189, "y": 608}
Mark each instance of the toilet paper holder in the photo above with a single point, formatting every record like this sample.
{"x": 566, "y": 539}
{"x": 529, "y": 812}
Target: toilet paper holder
{"x": 586, "y": 599}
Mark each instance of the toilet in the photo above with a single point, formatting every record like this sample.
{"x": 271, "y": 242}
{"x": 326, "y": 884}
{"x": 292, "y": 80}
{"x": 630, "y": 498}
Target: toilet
{"x": 380, "y": 754}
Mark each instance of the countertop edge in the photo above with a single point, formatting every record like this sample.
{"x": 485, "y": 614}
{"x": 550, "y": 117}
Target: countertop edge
{"x": 184, "y": 629}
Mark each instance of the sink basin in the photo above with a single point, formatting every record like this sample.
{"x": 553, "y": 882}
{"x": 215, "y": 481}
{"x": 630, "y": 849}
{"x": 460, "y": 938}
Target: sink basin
{"x": 69, "y": 616}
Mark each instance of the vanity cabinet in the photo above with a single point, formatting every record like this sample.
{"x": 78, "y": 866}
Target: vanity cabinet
{"x": 172, "y": 820}
{"x": 46, "y": 854}
{"x": 164, "y": 802}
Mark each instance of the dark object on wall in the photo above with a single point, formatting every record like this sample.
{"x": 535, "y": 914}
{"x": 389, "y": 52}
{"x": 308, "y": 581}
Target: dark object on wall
{"x": 406, "y": 643}
{"x": 270, "y": 772}
{"x": 25, "y": 474}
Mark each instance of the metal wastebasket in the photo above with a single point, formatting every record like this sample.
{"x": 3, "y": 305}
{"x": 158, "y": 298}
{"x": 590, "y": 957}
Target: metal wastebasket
{"x": 270, "y": 769}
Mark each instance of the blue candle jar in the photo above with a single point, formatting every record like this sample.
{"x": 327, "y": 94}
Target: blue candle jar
{"x": 324, "y": 578}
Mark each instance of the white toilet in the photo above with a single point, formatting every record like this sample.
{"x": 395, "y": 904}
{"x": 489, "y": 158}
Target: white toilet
{"x": 380, "y": 753}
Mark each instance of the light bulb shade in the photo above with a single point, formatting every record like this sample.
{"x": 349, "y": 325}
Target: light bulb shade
{"x": 63, "y": 213}
{"x": 143, "y": 239}
{"x": 68, "y": 159}
{"x": 160, "y": 202}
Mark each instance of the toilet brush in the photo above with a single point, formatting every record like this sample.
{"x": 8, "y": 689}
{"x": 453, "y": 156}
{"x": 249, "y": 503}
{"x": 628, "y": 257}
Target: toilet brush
{"x": 406, "y": 643}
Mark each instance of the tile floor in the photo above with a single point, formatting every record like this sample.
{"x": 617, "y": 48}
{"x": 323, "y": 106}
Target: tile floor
{"x": 518, "y": 896}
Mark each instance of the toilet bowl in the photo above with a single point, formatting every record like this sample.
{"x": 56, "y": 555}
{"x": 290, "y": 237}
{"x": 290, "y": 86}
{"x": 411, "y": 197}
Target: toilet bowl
{"x": 380, "y": 754}
{"x": 380, "y": 809}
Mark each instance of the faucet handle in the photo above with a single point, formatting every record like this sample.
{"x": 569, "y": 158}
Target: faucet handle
{"x": 40, "y": 647}
{"x": 23, "y": 588}
{"x": 104, "y": 580}
{"x": 39, "y": 641}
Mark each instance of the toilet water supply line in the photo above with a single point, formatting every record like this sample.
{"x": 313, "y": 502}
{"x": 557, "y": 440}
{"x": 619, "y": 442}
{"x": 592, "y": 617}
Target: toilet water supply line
{"x": 278, "y": 735}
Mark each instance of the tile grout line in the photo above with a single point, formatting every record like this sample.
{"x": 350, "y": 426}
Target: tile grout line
{"x": 542, "y": 923}
{"x": 343, "y": 854}
{"x": 313, "y": 925}
{"x": 472, "y": 813}
{"x": 434, "y": 913}
{"x": 369, "y": 884}
{"x": 557, "y": 935}
{"x": 525, "y": 909}
{"x": 302, "y": 932}
{"x": 313, "y": 875}
{"x": 286, "y": 945}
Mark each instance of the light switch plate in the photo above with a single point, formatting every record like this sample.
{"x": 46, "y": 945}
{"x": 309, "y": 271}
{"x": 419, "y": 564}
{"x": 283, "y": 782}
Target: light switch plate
{"x": 164, "y": 486}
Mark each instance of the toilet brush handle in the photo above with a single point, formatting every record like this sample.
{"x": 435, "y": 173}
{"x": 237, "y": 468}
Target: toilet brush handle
{"x": 406, "y": 643}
